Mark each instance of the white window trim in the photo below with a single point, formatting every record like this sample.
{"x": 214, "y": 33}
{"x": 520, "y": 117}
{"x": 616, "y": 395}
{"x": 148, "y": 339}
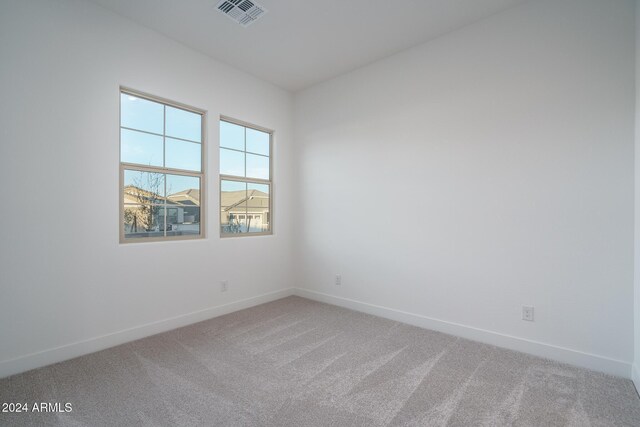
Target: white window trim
{"x": 269, "y": 181}
{"x": 162, "y": 170}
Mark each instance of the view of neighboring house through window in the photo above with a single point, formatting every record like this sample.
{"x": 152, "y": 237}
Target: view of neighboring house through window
{"x": 245, "y": 180}
{"x": 161, "y": 169}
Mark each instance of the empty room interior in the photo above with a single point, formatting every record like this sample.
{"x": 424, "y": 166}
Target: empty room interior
{"x": 320, "y": 213}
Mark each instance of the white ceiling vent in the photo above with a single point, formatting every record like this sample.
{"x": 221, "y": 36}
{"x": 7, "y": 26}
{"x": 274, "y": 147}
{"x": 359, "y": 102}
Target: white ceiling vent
{"x": 244, "y": 12}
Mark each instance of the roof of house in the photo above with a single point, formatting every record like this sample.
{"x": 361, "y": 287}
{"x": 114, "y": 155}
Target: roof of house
{"x": 186, "y": 197}
{"x": 235, "y": 201}
{"x": 137, "y": 195}
{"x": 239, "y": 201}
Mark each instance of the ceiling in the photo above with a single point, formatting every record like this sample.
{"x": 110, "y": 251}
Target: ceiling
{"x": 298, "y": 43}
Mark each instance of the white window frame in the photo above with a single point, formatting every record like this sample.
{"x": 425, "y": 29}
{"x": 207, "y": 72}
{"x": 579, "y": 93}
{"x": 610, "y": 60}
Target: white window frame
{"x": 163, "y": 170}
{"x": 246, "y": 180}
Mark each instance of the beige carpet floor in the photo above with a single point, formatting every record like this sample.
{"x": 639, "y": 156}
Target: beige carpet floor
{"x": 296, "y": 362}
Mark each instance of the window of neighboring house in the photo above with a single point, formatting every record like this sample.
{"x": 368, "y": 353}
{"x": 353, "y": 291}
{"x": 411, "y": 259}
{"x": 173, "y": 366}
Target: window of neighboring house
{"x": 245, "y": 179}
{"x": 161, "y": 169}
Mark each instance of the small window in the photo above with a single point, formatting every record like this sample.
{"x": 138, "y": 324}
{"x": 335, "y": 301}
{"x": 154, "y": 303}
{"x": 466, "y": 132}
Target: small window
{"x": 161, "y": 169}
{"x": 245, "y": 179}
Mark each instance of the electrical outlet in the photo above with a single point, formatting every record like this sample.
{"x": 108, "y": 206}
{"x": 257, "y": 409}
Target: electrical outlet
{"x": 338, "y": 280}
{"x": 224, "y": 286}
{"x": 527, "y": 313}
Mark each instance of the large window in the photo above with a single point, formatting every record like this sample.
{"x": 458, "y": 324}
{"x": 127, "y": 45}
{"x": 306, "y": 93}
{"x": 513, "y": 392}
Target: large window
{"x": 245, "y": 179}
{"x": 161, "y": 169}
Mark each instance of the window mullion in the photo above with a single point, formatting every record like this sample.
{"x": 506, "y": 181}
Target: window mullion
{"x": 164, "y": 164}
{"x": 246, "y": 185}
{"x": 265, "y": 223}
{"x": 156, "y": 171}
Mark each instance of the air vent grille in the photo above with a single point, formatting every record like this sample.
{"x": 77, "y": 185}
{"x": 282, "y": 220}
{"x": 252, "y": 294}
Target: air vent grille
{"x": 244, "y": 12}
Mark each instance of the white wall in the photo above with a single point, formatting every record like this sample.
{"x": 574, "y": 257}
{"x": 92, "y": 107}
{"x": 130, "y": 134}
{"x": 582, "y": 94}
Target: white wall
{"x": 64, "y": 278}
{"x": 488, "y": 169}
{"x": 457, "y": 181}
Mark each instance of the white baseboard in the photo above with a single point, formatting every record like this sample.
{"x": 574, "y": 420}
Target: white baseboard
{"x": 91, "y": 345}
{"x": 586, "y": 360}
{"x": 635, "y": 376}
{"x": 561, "y": 354}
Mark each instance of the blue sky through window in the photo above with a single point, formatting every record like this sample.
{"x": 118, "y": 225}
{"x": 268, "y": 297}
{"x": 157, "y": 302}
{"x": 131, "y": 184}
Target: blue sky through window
{"x": 144, "y": 118}
{"x": 154, "y": 182}
{"x": 244, "y": 152}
